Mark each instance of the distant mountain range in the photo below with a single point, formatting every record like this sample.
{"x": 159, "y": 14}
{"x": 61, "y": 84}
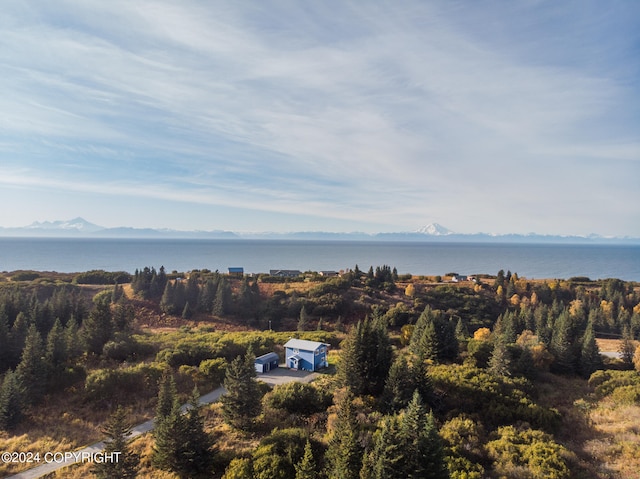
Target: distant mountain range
{"x": 81, "y": 228}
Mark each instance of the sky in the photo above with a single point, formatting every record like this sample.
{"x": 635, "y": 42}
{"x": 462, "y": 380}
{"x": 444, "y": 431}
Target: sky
{"x": 483, "y": 116}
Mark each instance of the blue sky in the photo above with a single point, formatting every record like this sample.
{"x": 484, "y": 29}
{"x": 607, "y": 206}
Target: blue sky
{"x": 484, "y": 116}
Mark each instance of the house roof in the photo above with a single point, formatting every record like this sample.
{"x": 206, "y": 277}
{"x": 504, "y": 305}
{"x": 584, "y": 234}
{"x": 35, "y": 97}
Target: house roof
{"x": 303, "y": 344}
{"x": 267, "y": 358}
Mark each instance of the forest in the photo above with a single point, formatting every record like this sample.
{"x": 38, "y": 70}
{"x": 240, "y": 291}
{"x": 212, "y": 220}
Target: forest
{"x": 492, "y": 376}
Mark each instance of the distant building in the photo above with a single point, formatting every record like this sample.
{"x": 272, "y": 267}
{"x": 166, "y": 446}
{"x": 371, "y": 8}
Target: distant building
{"x": 329, "y": 274}
{"x": 285, "y": 273}
{"x": 236, "y": 271}
{"x": 456, "y": 278}
{"x": 306, "y": 355}
{"x": 266, "y": 362}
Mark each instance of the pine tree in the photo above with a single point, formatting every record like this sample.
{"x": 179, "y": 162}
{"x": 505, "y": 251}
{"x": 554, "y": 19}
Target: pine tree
{"x": 562, "y": 345}
{"x": 194, "y": 458}
{"x": 590, "y": 359}
{"x": 307, "y": 468}
{"x": 72, "y": 339}
{"x": 117, "y": 431}
{"x": 5, "y": 342}
{"x": 500, "y": 362}
{"x": 399, "y": 387}
{"x": 422, "y": 447}
{"x": 32, "y": 369}
{"x": 627, "y": 349}
{"x": 97, "y": 329}
{"x": 303, "y": 321}
{"x": 366, "y": 357}
{"x": 11, "y": 401}
{"x": 344, "y": 455}
{"x": 385, "y": 459}
{"x": 406, "y": 446}
{"x": 56, "y": 353}
{"x": 221, "y": 302}
{"x": 241, "y": 403}
{"x": 168, "y": 425}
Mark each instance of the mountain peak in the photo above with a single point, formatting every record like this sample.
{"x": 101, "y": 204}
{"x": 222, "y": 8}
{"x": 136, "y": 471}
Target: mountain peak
{"x": 434, "y": 229}
{"x": 75, "y": 224}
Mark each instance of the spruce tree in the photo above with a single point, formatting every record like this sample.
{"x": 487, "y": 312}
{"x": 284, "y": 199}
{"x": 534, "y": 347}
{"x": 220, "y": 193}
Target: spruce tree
{"x": 307, "y": 468}
{"x": 194, "y": 457}
{"x": 423, "y": 453}
{"x": 366, "y": 357}
{"x": 344, "y": 455}
{"x": 241, "y": 403}
{"x": 32, "y": 369}
{"x": 168, "y": 425}
{"x": 500, "y": 361}
{"x": 303, "y": 321}
{"x": 590, "y": 359}
{"x": 5, "y": 342}
{"x": 11, "y": 401}
{"x": 56, "y": 352}
{"x": 117, "y": 431}
{"x": 97, "y": 329}
{"x": 385, "y": 459}
{"x": 399, "y": 387}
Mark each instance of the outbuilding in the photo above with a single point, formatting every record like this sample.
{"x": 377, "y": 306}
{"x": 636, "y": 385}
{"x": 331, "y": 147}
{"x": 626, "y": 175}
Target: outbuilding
{"x": 266, "y": 362}
{"x": 306, "y": 355}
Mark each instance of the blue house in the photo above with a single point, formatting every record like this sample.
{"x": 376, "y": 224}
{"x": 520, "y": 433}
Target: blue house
{"x": 306, "y": 355}
{"x": 266, "y": 362}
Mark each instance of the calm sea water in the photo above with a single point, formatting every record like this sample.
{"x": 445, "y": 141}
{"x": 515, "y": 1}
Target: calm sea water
{"x": 257, "y": 256}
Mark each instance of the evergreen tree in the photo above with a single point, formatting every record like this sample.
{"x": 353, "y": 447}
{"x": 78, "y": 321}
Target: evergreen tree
{"x": 117, "y": 431}
{"x": 307, "y": 468}
{"x": 72, "y": 339}
{"x": 11, "y": 401}
{"x": 32, "y": 370}
{"x": 56, "y": 352}
{"x": 97, "y": 329}
{"x": 168, "y": 424}
{"x": 385, "y": 459}
{"x": 303, "y": 321}
{"x": 500, "y": 361}
{"x": 399, "y": 387}
{"x": 241, "y": 402}
{"x": 406, "y": 446}
{"x": 194, "y": 458}
{"x": 562, "y": 345}
{"x": 423, "y": 454}
{"x": 344, "y": 455}
{"x": 5, "y": 342}
{"x": 590, "y": 359}
{"x": 627, "y": 349}
{"x": 221, "y": 302}
{"x": 123, "y": 314}
{"x": 18, "y": 336}
{"x": 366, "y": 357}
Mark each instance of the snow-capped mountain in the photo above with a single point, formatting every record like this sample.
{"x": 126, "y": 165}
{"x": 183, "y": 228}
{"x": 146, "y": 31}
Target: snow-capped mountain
{"x": 76, "y": 224}
{"x": 434, "y": 229}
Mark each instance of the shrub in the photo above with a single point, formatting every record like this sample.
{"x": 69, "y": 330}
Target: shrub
{"x": 99, "y": 276}
{"x": 123, "y": 384}
{"x": 527, "y": 453}
{"x": 298, "y": 398}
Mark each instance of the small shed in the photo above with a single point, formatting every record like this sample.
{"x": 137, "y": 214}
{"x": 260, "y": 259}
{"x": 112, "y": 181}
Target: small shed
{"x": 306, "y": 355}
{"x": 236, "y": 271}
{"x": 267, "y": 362}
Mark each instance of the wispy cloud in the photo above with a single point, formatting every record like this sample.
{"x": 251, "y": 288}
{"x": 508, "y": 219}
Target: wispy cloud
{"x": 382, "y": 114}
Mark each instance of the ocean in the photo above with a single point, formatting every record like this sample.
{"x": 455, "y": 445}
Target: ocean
{"x": 259, "y": 256}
